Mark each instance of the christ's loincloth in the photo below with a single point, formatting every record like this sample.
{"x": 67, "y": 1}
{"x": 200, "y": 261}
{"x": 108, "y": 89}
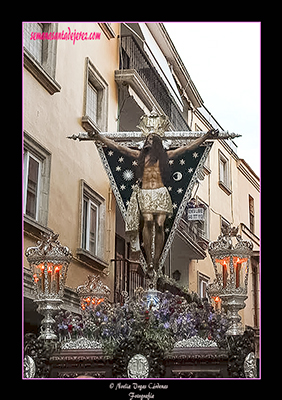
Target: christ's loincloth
{"x": 145, "y": 201}
{"x": 155, "y": 201}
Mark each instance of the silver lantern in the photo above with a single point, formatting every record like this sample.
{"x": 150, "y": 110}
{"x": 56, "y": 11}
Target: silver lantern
{"x": 92, "y": 292}
{"x": 230, "y": 255}
{"x": 49, "y": 262}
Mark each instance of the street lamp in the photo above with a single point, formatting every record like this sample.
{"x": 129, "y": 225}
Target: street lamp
{"x": 231, "y": 264}
{"x": 49, "y": 262}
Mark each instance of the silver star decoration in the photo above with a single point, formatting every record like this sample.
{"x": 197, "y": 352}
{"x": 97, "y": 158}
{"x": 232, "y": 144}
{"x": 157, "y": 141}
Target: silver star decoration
{"x": 118, "y": 168}
{"x": 122, "y": 187}
{"x": 121, "y": 159}
{"x": 170, "y": 162}
{"x": 135, "y": 163}
{"x": 110, "y": 153}
{"x": 128, "y": 175}
{"x": 182, "y": 161}
{"x": 169, "y": 188}
{"x": 180, "y": 190}
{"x": 195, "y": 155}
{"x": 166, "y": 230}
{"x": 190, "y": 170}
{"x": 174, "y": 206}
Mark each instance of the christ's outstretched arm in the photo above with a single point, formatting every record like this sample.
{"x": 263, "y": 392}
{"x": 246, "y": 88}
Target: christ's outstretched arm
{"x": 211, "y": 134}
{"x": 114, "y": 146}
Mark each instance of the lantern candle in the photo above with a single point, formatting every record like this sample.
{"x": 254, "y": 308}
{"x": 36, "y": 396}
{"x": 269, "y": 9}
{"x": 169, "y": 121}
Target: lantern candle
{"x": 41, "y": 266}
{"x": 224, "y": 262}
{"x": 57, "y": 276}
{"x": 49, "y": 270}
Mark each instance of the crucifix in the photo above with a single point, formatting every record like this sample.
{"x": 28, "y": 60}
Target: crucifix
{"x": 152, "y": 173}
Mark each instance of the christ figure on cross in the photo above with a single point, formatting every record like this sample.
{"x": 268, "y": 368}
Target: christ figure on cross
{"x": 152, "y": 198}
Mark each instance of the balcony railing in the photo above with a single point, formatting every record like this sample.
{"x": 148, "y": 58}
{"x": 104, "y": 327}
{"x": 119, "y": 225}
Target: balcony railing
{"x": 194, "y": 233}
{"x": 128, "y": 276}
{"x": 133, "y": 57}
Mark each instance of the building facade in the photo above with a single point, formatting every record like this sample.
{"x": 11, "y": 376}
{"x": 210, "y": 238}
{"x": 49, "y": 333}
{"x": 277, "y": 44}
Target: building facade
{"x": 107, "y": 84}
{"x": 69, "y": 87}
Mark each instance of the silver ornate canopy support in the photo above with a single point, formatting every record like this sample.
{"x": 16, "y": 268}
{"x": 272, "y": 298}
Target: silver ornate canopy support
{"x": 49, "y": 262}
{"x": 231, "y": 264}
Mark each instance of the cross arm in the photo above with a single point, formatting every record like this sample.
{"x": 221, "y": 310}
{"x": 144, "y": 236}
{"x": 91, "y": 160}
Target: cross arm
{"x": 212, "y": 134}
{"x": 137, "y": 136}
{"x": 104, "y": 138}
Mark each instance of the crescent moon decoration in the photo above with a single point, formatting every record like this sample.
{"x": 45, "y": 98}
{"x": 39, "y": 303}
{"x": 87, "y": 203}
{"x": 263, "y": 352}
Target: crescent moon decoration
{"x": 177, "y": 176}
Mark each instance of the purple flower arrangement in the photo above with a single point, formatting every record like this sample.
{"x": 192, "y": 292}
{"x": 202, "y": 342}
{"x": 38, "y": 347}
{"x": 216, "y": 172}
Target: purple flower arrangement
{"x": 175, "y": 319}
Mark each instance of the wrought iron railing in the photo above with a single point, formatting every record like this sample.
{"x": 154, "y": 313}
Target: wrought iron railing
{"x": 128, "y": 276}
{"x": 194, "y": 232}
{"x": 133, "y": 57}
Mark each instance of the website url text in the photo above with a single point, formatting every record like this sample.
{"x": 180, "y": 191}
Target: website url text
{"x": 68, "y": 35}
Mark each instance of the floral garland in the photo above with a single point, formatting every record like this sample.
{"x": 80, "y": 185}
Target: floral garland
{"x": 173, "y": 320}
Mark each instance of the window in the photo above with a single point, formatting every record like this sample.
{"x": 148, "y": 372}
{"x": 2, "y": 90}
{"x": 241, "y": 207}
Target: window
{"x": 96, "y": 100}
{"x": 252, "y": 214}
{"x": 35, "y": 47}
{"x": 92, "y": 102}
{"x": 37, "y": 167}
{"x": 223, "y": 181}
{"x": 223, "y": 170}
{"x": 202, "y": 285}
{"x": 92, "y": 231}
{"x": 90, "y": 226}
{"x": 40, "y": 55}
{"x": 32, "y": 184}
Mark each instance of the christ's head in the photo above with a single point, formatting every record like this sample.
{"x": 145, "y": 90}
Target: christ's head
{"x": 154, "y": 147}
{"x": 149, "y": 141}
